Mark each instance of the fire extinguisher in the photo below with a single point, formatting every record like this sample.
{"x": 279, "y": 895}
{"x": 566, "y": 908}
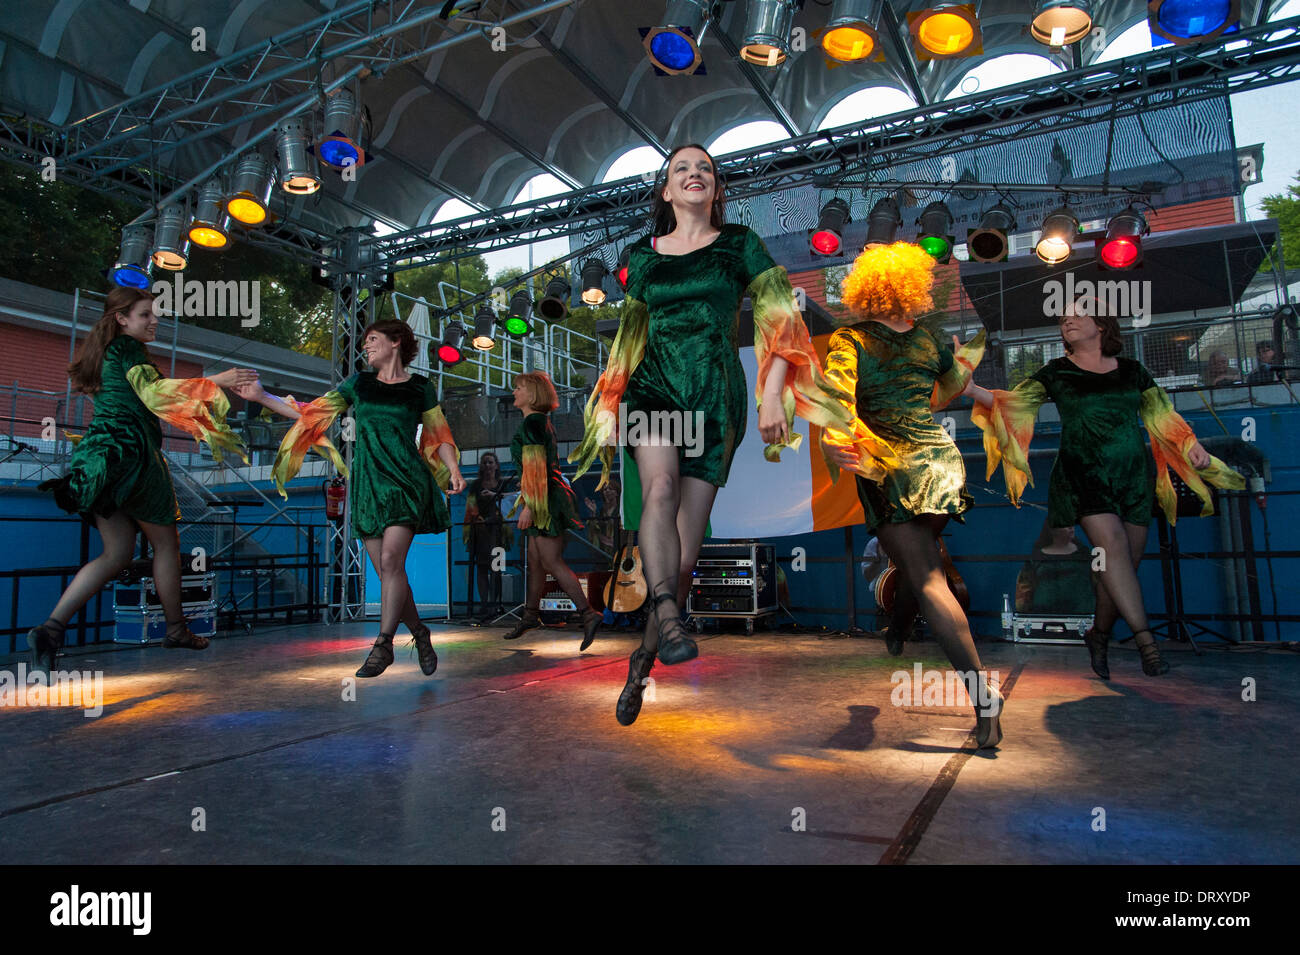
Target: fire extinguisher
{"x": 336, "y": 493}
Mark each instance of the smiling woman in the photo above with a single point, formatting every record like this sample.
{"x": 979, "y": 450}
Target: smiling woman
{"x": 117, "y": 476}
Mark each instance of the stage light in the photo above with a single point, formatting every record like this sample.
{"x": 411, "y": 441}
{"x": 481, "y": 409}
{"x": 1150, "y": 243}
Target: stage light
{"x": 935, "y": 237}
{"x": 555, "y": 305}
{"x": 453, "y": 337}
{"x": 131, "y": 269}
{"x": 593, "y": 278}
{"x": 674, "y": 47}
{"x": 517, "y": 317}
{"x": 1057, "y": 241}
{"x": 1058, "y": 22}
{"x": 853, "y": 31}
{"x": 828, "y": 237}
{"x": 883, "y": 223}
{"x": 250, "y": 193}
{"x": 211, "y": 226}
{"x": 339, "y": 147}
{"x": 1183, "y": 22}
{"x": 623, "y": 259}
{"x": 767, "y": 32}
{"x": 171, "y": 249}
{"x": 945, "y": 31}
{"x": 298, "y": 172}
{"x": 991, "y": 242}
{"x": 1121, "y": 249}
{"x": 484, "y": 322}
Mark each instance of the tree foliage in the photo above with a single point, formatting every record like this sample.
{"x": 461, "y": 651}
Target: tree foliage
{"x": 1286, "y": 210}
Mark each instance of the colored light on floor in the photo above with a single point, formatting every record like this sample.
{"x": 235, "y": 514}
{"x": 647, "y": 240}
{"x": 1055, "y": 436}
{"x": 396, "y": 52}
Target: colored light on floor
{"x": 935, "y": 245}
{"x": 131, "y": 276}
{"x": 448, "y": 354}
{"x": 848, "y": 44}
{"x": 946, "y": 33}
{"x": 826, "y": 242}
{"x": 673, "y": 50}
{"x": 1119, "y": 253}
{"x": 339, "y": 152}
{"x": 208, "y": 237}
{"x": 1192, "y": 18}
{"x": 516, "y": 326}
{"x": 246, "y": 211}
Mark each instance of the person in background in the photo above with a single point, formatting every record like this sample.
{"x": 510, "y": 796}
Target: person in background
{"x": 1264, "y": 372}
{"x": 606, "y": 520}
{"x": 485, "y": 530}
{"x": 1218, "y": 371}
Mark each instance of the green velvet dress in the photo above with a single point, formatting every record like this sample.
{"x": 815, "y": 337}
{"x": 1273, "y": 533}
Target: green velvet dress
{"x": 692, "y": 358}
{"x": 118, "y": 464}
{"x": 560, "y": 513}
{"x": 895, "y": 379}
{"x": 1103, "y": 466}
{"x": 390, "y": 483}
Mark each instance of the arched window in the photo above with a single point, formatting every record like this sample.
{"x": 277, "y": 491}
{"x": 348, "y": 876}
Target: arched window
{"x": 1004, "y": 70}
{"x": 453, "y": 209}
{"x": 634, "y": 162}
{"x": 866, "y": 104}
{"x": 746, "y": 136}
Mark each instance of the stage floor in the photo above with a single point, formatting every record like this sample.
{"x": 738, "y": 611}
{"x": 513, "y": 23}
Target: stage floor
{"x": 511, "y": 753}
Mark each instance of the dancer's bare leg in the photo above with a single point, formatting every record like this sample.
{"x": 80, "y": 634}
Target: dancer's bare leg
{"x": 1107, "y": 613}
{"x": 118, "y": 534}
{"x": 1119, "y": 580}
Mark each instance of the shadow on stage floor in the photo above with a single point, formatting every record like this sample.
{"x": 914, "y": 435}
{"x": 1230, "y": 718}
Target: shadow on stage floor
{"x": 770, "y": 748}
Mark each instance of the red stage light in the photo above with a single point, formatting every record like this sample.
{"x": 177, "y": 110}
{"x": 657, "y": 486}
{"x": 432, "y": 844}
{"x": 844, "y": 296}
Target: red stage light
{"x": 449, "y": 354}
{"x": 622, "y": 277}
{"x": 1119, "y": 253}
{"x": 826, "y": 242}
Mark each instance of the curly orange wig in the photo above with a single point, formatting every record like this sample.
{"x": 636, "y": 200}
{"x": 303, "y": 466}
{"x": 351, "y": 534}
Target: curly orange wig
{"x": 890, "y": 281}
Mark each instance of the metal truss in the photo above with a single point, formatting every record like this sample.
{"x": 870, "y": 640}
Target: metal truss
{"x": 1253, "y": 59}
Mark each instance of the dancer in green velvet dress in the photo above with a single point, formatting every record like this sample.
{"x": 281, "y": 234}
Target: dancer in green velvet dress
{"x": 1103, "y": 479}
{"x": 118, "y": 476}
{"x": 397, "y": 484}
{"x": 549, "y": 506}
{"x": 910, "y": 475}
{"x": 677, "y": 352}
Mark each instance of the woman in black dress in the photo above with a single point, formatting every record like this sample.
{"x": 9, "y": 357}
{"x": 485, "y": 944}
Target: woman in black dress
{"x": 485, "y": 531}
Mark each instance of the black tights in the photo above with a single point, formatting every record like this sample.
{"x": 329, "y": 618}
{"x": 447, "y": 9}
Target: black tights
{"x": 489, "y": 587}
{"x": 923, "y": 586}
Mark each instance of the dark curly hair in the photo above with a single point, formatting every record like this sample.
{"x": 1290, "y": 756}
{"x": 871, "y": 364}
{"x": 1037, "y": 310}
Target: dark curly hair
{"x": 399, "y": 333}
{"x": 1111, "y": 342}
{"x": 661, "y": 210}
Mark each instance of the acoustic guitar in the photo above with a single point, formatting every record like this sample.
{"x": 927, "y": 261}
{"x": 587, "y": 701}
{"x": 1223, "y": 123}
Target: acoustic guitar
{"x": 886, "y": 588}
{"x": 626, "y": 591}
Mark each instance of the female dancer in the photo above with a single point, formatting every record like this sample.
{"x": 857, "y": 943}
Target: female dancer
{"x": 1103, "y": 478}
{"x": 912, "y": 481}
{"x": 486, "y": 529}
{"x": 393, "y": 494}
{"x": 118, "y": 475}
{"x": 676, "y": 351}
{"x": 549, "y": 506}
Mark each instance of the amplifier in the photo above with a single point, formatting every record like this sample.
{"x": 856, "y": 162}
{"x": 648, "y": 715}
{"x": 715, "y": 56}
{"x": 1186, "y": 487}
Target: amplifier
{"x": 734, "y": 580}
{"x": 556, "y": 600}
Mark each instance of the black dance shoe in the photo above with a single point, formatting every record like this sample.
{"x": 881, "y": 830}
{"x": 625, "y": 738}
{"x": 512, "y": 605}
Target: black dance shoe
{"x": 424, "y": 648}
{"x": 988, "y": 721}
{"x": 528, "y": 621}
{"x": 380, "y": 658}
{"x": 674, "y": 645}
{"x": 1152, "y": 664}
{"x": 1098, "y": 643}
{"x": 182, "y": 636}
{"x": 44, "y": 644}
{"x": 591, "y": 621}
{"x": 629, "y": 701}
